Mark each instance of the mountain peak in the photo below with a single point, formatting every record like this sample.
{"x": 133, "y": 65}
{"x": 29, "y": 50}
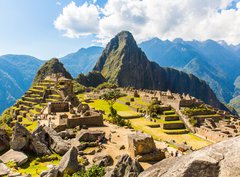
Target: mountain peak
{"x": 50, "y": 67}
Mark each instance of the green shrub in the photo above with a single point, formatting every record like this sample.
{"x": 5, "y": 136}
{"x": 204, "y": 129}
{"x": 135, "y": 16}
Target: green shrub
{"x": 94, "y": 171}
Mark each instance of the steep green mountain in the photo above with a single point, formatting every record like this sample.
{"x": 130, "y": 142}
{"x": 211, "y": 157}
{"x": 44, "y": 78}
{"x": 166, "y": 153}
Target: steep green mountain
{"x": 82, "y": 61}
{"x": 123, "y": 63}
{"x": 92, "y": 79}
{"x": 16, "y": 75}
{"x": 50, "y": 67}
{"x": 208, "y": 60}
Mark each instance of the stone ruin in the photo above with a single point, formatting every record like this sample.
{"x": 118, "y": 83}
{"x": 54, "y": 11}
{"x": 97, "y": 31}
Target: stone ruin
{"x": 143, "y": 148}
{"x": 62, "y": 115}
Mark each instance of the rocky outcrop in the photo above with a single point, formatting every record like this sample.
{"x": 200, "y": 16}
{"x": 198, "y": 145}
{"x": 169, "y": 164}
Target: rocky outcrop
{"x": 142, "y": 147}
{"x": 4, "y": 170}
{"x": 90, "y": 136}
{"x": 16, "y": 156}
{"x": 67, "y": 134}
{"x": 103, "y": 160}
{"x": 50, "y": 137}
{"x": 69, "y": 162}
{"x": 123, "y": 63}
{"x": 126, "y": 167}
{"x": 4, "y": 140}
{"x": 218, "y": 160}
{"x": 23, "y": 140}
{"x": 20, "y": 139}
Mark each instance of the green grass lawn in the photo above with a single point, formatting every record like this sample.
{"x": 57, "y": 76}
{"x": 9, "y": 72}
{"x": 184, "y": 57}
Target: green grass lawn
{"x": 158, "y": 134}
{"x": 128, "y": 114}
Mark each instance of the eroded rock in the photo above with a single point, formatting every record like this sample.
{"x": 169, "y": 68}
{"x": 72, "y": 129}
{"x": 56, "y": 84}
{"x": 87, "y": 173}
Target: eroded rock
{"x": 90, "y": 136}
{"x": 218, "y": 160}
{"x": 103, "y": 160}
{"x": 16, "y": 156}
{"x": 4, "y": 140}
{"x": 69, "y": 162}
{"x": 126, "y": 167}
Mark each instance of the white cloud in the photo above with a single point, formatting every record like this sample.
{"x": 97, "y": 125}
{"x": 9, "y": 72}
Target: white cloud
{"x": 188, "y": 19}
{"x": 78, "y": 21}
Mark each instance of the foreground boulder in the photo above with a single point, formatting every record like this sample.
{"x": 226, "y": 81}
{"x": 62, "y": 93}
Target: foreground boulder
{"x": 218, "y": 160}
{"x": 4, "y": 140}
{"x": 103, "y": 160}
{"x": 50, "y": 137}
{"x": 69, "y": 162}
{"x": 142, "y": 147}
{"x": 23, "y": 140}
{"x": 16, "y": 156}
{"x": 126, "y": 167}
{"x": 4, "y": 170}
{"x": 90, "y": 136}
{"x": 20, "y": 139}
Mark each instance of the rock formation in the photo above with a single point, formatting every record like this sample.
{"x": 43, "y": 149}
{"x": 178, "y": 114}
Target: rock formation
{"x": 126, "y": 167}
{"x": 23, "y": 140}
{"x": 142, "y": 147}
{"x": 4, "y": 140}
{"x": 122, "y": 62}
{"x": 103, "y": 160}
{"x": 16, "y": 156}
{"x": 69, "y": 162}
{"x": 218, "y": 160}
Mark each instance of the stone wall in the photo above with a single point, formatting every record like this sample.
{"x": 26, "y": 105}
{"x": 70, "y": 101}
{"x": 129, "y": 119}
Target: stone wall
{"x": 172, "y": 126}
{"x": 58, "y": 107}
{"x": 87, "y": 120}
{"x": 210, "y": 134}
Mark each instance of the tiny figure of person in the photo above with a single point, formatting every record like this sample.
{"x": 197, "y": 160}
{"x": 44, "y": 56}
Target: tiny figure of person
{"x": 110, "y": 137}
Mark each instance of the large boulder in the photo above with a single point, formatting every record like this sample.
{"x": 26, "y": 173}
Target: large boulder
{"x": 126, "y": 167}
{"x": 4, "y": 170}
{"x": 4, "y": 140}
{"x": 20, "y": 138}
{"x": 67, "y": 134}
{"x": 69, "y": 162}
{"x": 23, "y": 140}
{"x": 90, "y": 136}
{"x": 52, "y": 172}
{"x": 16, "y": 156}
{"x": 218, "y": 160}
{"x": 103, "y": 160}
{"x": 142, "y": 147}
{"x": 50, "y": 137}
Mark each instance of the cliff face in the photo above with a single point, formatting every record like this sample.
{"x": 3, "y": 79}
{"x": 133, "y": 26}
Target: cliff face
{"x": 123, "y": 63}
{"x": 50, "y": 67}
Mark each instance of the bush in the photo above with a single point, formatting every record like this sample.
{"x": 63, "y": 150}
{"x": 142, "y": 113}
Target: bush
{"x": 94, "y": 171}
{"x": 106, "y": 85}
{"x": 78, "y": 88}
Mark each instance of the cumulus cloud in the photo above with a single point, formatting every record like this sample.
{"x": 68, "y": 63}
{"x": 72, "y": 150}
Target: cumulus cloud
{"x": 188, "y": 19}
{"x": 78, "y": 21}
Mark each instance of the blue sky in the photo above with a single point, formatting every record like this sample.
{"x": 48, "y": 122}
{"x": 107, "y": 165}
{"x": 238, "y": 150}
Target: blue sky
{"x": 26, "y": 27}
{"x": 42, "y": 28}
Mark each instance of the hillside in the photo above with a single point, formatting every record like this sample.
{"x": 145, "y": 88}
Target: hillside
{"x": 82, "y": 61}
{"x": 52, "y": 66}
{"x": 123, "y": 63}
{"x": 16, "y": 75}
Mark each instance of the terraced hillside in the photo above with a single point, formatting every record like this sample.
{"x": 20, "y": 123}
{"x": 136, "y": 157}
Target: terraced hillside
{"x": 35, "y": 99}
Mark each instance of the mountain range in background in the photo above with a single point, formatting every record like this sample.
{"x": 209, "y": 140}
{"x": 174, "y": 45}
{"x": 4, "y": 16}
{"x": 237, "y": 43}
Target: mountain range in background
{"x": 215, "y": 62}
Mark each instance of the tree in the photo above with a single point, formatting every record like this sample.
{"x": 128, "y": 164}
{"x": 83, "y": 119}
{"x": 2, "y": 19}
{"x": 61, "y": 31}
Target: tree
{"x": 111, "y": 97}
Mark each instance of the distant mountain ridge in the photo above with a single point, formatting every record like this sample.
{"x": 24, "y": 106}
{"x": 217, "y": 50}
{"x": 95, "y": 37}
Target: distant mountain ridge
{"x": 81, "y": 61}
{"x": 124, "y": 63}
{"x": 211, "y": 61}
{"x": 16, "y": 76}
{"x": 16, "y": 72}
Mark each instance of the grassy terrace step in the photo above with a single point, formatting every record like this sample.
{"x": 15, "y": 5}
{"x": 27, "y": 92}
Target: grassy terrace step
{"x": 27, "y": 103}
{"x": 55, "y": 96}
{"x": 39, "y": 87}
{"x": 32, "y": 99}
{"x": 175, "y": 132}
{"x": 51, "y": 100}
{"x": 33, "y": 112}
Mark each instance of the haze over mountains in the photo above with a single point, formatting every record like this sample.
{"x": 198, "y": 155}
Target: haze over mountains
{"x": 216, "y": 63}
